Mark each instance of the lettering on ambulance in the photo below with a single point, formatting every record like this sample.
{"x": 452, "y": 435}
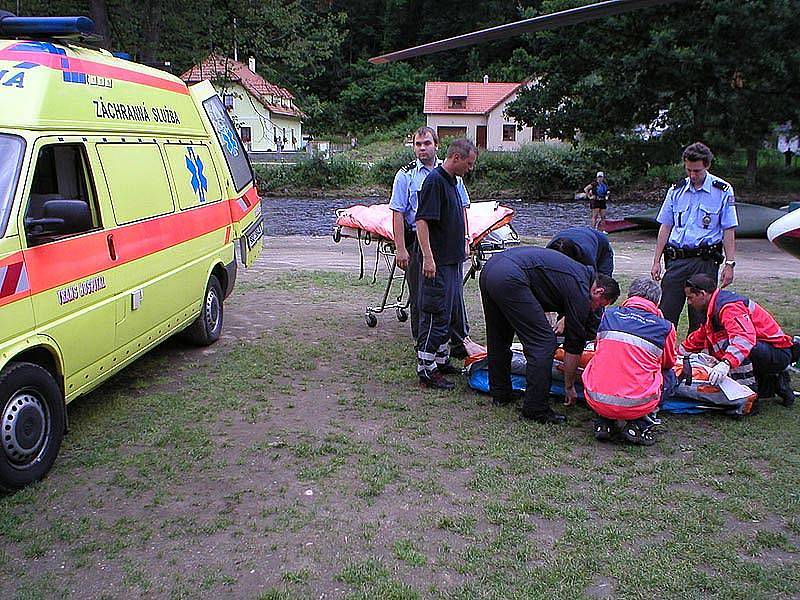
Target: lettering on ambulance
{"x": 134, "y": 112}
{"x": 84, "y": 288}
{"x": 12, "y": 78}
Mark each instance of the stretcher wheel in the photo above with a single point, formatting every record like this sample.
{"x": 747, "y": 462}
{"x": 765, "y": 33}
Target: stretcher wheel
{"x": 337, "y": 235}
{"x": 402, "y": 315}
{"x": 371, "y": 320}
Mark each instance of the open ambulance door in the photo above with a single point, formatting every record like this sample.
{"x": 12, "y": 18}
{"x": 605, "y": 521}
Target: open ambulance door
{"x": 245, "y": 205}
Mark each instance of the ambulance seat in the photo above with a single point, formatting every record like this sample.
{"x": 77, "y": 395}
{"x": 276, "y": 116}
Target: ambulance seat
{"x": 76, "y": 215}
{"x": 37, "y": 202}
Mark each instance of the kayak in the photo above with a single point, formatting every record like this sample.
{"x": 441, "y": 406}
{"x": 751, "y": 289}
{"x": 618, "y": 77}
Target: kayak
{"x": 612, "y": 225}
{"x": 753, "y": 219}
{"x": 785, "y": 233}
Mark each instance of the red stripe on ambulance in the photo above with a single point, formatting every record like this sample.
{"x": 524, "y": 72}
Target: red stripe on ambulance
{"x": 89, "y": 67}
{"x": 13, "y": 279}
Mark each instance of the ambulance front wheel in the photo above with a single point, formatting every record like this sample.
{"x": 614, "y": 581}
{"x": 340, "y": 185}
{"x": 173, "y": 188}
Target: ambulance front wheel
{"x": 31, "y": 424}
{"x": 206, "y": 329}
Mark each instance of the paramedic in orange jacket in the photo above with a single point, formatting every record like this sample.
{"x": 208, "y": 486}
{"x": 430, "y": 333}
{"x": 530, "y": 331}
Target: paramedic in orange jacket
{"x": 632, "y": 365}
{"x": 737, "y": 330}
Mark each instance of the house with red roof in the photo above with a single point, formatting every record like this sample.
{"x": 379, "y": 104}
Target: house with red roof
{"x": 476, "y": 110}
{"x": 264, "y": 113}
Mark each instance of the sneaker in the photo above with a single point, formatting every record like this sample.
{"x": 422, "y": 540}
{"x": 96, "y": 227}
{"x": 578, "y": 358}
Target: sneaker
{"x": 639, "y": 432}
{"x": 448, "y": 369}
{"x": 784, "y": 391}
{"x": 436, "y": 381}
{"x": 603, "y": 429}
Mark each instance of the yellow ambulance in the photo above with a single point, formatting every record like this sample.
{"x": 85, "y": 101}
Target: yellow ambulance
{"x": 125, "y": 198}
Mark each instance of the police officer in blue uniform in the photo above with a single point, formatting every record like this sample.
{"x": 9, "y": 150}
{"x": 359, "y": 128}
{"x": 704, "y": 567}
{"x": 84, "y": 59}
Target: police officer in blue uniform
{"x": 404, "y": 202}
{"x": 588, "y": 246}
{"x": 697, "y": 233}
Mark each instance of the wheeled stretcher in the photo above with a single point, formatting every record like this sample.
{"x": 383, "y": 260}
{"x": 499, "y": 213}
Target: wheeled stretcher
{"x": 490, "y": 231}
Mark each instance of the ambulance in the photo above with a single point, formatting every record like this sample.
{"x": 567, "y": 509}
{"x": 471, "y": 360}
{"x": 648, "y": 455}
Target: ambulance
{"x": 126, "y": 200}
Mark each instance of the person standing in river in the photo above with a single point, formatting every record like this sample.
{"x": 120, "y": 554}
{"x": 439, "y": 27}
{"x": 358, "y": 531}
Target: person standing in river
{"x": 404, "y": 202}
{"x": 698, "y": 221}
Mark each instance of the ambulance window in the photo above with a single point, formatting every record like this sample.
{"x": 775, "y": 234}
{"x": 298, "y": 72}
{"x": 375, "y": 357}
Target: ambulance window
{"x": 11, "y": 151}
{"x": 232, "y": 149}
{"x": 137, "y": 181}
{"x": 61, "y": 202}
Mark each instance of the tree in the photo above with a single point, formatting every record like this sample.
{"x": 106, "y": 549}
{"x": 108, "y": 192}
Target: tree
{"x": 725, "y": 71}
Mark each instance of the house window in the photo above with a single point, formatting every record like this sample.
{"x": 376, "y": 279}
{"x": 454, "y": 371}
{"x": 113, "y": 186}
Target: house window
{"x": 509, "y": 133}
{"x": 246, "y": 134}
{"x": 458, "y": 103}
{"x": 537, "y": 134}
{"x": 453, "y": 132}
{"x": 227, "y": 100}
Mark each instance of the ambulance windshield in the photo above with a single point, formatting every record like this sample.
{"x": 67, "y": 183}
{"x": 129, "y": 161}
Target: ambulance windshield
{"x": 11, "y": 150}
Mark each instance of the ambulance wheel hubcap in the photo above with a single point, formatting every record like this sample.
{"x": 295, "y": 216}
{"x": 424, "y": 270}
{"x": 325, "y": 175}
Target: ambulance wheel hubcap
{"x": 24, "y": 427}
{"x": 212, "y": 311}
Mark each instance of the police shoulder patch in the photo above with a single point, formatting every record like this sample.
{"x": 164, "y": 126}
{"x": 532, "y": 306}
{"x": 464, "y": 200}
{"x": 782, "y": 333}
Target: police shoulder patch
{"x": 409, "y": 166}
{"x": 720, "y": 185}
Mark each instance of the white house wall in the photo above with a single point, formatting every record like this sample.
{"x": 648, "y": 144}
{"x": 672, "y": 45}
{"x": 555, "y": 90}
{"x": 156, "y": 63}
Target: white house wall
{"x": 248, "y": 112}
{"x": 471, "y": 122}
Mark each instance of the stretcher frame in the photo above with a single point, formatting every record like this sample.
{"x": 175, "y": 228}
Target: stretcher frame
{"x": 480, "y": 251}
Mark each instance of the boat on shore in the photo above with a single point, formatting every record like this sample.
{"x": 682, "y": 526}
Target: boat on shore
{"x": 753, "y": 219}
{"x": 785, "y": 233}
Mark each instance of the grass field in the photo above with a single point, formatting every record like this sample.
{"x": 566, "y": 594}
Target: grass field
{"x": 297, "y": 458}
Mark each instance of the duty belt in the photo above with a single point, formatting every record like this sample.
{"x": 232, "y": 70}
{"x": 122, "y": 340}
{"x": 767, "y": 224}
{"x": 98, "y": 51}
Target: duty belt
{"x": 713, "y": 252}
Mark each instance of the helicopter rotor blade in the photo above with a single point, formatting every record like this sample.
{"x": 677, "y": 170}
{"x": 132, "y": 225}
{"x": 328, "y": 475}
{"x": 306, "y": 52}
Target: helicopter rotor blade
{"x": 562, "y": 18}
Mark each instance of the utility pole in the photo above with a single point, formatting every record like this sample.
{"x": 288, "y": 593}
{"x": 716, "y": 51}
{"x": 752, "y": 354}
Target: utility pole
{"x": 235, "y": 47}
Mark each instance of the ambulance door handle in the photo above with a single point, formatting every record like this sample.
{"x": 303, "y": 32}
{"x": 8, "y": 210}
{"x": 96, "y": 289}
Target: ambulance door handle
{"x": 112, "y": 252}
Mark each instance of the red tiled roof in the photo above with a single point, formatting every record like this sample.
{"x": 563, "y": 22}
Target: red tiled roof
{"x": 481, "y": 97}
{"x": 216, "y": 66}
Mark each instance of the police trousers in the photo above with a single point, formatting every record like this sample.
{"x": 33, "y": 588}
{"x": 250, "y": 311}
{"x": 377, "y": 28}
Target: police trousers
{"x": 673, "y": 296}
{"x": 510, "y": 307}
{"x": 438, "y": 296}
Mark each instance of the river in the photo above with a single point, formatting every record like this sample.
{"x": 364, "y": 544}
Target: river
{"x": 316, "y": 216}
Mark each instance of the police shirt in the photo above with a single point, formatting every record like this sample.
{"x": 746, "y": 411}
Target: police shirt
{"x": 593, "y": 246}
{"x": 560, "y": 285}
{"x": 698, "y": 217}
{"x": 406, "y": 186}
{"x": 440, "y": 207}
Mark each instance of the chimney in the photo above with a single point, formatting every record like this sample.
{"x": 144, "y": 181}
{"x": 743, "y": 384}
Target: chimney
{"x": 251, "y": 63}
{"x": 485, "y": 79}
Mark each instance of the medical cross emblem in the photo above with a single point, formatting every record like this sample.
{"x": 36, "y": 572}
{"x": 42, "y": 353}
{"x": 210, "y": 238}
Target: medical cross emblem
{"x": 195, "y": 168}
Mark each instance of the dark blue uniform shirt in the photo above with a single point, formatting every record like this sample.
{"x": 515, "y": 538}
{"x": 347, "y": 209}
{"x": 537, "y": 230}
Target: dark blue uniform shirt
{"x": 440, "y": 207}
{"x": 595, "y": 249}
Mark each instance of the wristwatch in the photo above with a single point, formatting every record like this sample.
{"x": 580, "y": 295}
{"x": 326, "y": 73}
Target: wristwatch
{"x": 730, "y": 263}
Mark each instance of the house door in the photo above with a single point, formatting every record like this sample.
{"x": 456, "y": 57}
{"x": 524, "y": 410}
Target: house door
{"x": 247, "y": 137}
{"x": 480, "y": 137}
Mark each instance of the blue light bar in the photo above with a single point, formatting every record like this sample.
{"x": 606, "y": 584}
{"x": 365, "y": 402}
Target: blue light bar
{"x": 46, "y": 26}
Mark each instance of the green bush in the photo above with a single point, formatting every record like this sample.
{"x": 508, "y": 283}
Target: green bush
{"x": 314, "y": 172}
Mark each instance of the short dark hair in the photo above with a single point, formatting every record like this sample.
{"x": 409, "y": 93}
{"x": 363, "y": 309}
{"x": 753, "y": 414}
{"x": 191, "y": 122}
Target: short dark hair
{"x": 567, "y": 247}
{"x": 425, "y": 130}
{"x": 698, "y": 151}
{"x": 463, "y": 147}
{"x": 700, "y": 282}
{"x": 609, "y": 285}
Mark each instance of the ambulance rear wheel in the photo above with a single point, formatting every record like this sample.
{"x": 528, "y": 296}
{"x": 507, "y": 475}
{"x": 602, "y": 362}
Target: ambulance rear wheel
{"x": 207, "y": 328}
{"x": 32, "y": 417}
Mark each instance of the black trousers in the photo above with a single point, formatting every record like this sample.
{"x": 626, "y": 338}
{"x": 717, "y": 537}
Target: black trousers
{"x": 437, "y": 297}
{"x": 673, "y": 296}
{"x": 459, "y": 324}
{"x": 510, "y": 307}
{"x": 768, "y": 361}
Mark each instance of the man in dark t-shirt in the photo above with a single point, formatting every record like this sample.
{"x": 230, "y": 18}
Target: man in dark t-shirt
{"x": 444, "y": 245}
{"x": 588, "y": 246}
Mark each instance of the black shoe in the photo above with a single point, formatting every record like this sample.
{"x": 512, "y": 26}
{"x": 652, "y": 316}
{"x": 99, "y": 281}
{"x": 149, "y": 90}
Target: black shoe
{"x": 603, "y": 429}
{"x": 448, "y": 369}
{"x": 436, "y": 381}
{"x": 639, "y": 432}
{"x": 784, "y": 391}
{"x": 547, "y": 418}
{"x": 458, "y": 351}
{"x": 506, "y": 400}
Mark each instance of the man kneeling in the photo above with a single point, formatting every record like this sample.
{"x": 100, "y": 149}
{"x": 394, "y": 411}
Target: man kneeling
{"x": 635, "y": 352}
{"x": 738, "y": 330}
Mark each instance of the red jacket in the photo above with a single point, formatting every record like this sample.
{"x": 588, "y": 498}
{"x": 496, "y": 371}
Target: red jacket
{"x": 634, "y": 345}
{"x": 733, "y": 325}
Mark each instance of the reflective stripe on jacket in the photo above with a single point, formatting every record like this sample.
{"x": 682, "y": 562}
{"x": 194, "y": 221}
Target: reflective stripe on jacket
{"x": 634, "y": 344}
{"x": 734, "y": 324}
